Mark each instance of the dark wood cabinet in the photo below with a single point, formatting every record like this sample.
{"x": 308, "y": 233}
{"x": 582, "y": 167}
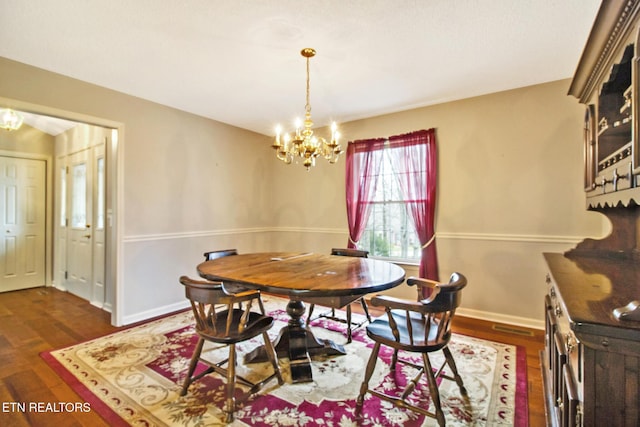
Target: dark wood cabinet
{"x": 591, "y": 362}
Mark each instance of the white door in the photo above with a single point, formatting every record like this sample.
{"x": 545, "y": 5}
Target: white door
{"x": 22, "y": 215}
{"x": 85, "y": 183}
{"x": 79, "y": 233}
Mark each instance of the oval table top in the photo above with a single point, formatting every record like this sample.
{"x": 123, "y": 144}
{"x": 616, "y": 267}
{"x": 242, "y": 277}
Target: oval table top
{"x": 300, "y": 275}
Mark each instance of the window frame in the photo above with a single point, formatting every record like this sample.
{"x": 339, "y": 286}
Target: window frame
{"x": 387, "y": 174}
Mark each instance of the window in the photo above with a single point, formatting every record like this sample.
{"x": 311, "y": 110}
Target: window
{"x": 391, "y": 198}
{"x": 63, "y": 196}
{"x": 101, "y": 194}
{"x": 79, "y": 202}
{"x": 390, "y": 232}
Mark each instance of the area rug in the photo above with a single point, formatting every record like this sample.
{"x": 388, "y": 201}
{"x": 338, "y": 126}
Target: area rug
{"x": 133, "y": 377}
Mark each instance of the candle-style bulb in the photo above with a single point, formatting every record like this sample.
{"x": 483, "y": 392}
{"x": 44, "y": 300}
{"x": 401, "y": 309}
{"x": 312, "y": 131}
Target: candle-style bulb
{"x": 278, "y": 131}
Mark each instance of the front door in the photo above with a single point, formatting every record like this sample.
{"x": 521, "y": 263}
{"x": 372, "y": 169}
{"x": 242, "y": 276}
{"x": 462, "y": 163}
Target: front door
{"x": 85, "y": 190}
{"x": 80, "y": 251}
{"x": 22, "y": 216}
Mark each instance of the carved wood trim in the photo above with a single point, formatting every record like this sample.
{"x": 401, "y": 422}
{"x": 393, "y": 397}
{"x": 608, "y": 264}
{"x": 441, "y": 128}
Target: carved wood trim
{"x": 611, "y": 28}
{"x": 622, "y": 243}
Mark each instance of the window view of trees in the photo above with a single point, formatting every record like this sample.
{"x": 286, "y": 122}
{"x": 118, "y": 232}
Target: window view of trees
{"x": 390, "y": 232}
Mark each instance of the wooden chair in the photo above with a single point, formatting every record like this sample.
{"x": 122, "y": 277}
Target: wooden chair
{"x": 230, "y": 287}
{"x": 332, "y": 313}
{"x": 211, "y": 255}
{"x": 419, "y": 327}
{"x": 219, "y": 322}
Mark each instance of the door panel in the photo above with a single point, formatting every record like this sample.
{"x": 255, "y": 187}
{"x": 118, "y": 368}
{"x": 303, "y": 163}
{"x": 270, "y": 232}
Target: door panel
{"x": 22, "y": 217}
{"x": 79, "y": 233}
{"x": 84, "y": 236}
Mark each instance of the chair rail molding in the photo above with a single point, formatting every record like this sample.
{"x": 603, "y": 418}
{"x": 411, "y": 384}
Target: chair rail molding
{"x": 192, "y": 234}
{"x": 445, "y": 235}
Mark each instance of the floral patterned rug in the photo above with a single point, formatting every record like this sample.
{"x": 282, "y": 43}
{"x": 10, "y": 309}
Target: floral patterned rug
{"x": 133, "y": 377}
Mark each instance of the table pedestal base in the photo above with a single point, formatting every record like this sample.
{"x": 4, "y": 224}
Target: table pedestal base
{"x": 298, "y": 343}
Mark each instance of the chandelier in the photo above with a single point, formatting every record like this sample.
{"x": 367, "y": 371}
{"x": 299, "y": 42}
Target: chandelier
{"x": 10, "y": 119}
{"x": 304, "y": 144}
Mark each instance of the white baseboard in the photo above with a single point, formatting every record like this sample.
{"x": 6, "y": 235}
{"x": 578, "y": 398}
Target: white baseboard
{"x": 150, "y": 314}
{"x": 501, "y": 318}
{"x": 97, "y": 304}
{"x": 59, "y": 287}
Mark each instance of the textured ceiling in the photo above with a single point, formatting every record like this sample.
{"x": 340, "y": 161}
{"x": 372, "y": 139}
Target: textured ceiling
{"x": 238, "y": 61}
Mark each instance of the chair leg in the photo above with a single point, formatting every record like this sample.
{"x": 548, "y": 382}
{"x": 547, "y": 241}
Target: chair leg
{"x": 433, "y": 389}
{"x": 230, "y": 404}
{"x": 349, "y": 332}
{"x": 371, "y": 365}
{"x": 192, "y": 365}
{"x": 311, "y": 307}
{"x": 394, "y": 361}
{"x": 452, "y": 364}
{"x": 273, "y": 357}
{"x": 365, "y": 308}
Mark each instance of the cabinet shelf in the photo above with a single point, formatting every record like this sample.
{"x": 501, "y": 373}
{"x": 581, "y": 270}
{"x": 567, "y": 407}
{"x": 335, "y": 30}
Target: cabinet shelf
{"x": 621, "y": 127}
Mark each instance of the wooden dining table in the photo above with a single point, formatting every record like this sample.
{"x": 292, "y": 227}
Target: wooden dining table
{"x": 304, "y": 277}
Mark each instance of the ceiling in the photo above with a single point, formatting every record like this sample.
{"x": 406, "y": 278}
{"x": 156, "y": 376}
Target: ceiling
{"x": 51, "y": 125}
{"x": 239, "y": 62}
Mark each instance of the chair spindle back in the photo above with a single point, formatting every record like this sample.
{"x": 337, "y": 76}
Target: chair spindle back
{"x": 210, "y": 301}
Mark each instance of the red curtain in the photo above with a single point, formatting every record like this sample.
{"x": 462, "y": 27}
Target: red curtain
{"x": 414, "y": 160}
{"x": 363, "y": 162}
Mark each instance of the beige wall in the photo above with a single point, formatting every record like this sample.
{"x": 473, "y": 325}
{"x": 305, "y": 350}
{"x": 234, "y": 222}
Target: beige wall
{"x": 510, "y": 180}
{"x": 509, "y": 187}
{"x": 187, "y": 184}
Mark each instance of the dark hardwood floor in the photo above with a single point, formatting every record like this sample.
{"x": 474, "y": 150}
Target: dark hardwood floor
{"x": 40, "y": 319}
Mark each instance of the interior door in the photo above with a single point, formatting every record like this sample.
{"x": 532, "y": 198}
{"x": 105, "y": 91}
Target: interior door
{"x": 22, "y": 215}
{"x": 79, "y": 273}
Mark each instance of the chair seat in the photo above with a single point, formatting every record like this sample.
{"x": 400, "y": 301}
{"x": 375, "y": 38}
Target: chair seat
{"x": 379, "y": 330}
{"x": 256, "y": 324}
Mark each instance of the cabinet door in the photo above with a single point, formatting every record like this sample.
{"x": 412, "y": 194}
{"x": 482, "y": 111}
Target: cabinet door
{"x": 559, "y": 362}
{"x": 550, "y": 330}
{"x": 570, "y": 410}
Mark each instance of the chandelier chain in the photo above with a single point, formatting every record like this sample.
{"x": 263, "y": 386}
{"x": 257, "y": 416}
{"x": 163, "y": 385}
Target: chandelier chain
{"x": 308, "y": 104}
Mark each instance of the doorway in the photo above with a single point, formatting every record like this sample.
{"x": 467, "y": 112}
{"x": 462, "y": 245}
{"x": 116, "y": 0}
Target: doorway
{"x": 80, "y": 213}
{"x": 104, "y": 232}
